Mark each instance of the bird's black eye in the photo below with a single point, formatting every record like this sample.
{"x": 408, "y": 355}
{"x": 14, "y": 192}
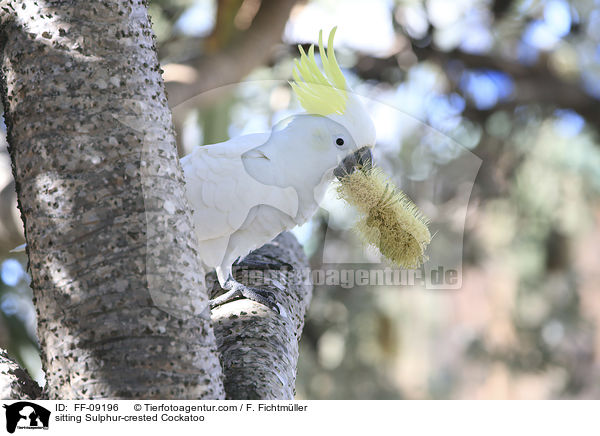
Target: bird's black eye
{"x": 339, "y": 141}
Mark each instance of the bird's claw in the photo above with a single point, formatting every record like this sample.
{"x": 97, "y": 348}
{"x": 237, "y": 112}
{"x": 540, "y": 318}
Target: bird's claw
{"x": 238, "y": 291}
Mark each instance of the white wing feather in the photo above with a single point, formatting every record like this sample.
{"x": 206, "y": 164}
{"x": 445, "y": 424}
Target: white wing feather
{"x": 222, "y": 193}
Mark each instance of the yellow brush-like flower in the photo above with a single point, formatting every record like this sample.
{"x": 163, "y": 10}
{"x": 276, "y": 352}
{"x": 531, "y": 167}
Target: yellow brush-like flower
{"x": 388, "y": 219}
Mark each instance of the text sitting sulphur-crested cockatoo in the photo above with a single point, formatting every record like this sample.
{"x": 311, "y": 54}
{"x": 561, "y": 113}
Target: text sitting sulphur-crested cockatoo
{"x": 247, "y": 190}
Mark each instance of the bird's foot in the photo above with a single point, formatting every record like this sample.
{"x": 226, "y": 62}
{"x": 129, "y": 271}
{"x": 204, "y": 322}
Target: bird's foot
{"x": 238, "y": 291}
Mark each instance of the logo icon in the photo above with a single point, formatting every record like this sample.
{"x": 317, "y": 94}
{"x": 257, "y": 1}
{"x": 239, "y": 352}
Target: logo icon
{"x": 26, "y": 415}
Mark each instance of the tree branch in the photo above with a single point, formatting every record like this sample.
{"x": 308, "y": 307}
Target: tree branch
{"x": 259, "y": 348}
{"x": 15, "y": 383}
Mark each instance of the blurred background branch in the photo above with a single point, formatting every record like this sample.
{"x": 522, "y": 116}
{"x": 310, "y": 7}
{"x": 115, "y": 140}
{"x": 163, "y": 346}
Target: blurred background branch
{"x": 534, "y": 84}
{"x": 244, "y": 37}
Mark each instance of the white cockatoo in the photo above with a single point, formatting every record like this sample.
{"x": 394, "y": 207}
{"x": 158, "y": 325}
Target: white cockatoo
{"x": 247, "y": 190}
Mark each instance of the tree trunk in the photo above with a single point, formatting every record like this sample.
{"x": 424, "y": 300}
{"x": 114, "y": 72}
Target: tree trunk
{"x": 120, "y": 296}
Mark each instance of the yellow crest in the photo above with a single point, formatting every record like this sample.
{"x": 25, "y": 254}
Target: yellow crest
{"x": 319, "y": 93}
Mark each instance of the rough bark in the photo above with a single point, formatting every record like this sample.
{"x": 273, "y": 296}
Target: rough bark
{"x": 16, "y": 383}
{"x": 119, "y": 294}
{"x": 259, "y": 348}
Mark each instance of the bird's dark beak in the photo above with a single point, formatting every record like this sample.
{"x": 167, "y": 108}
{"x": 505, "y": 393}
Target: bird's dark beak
{"x": 361, "y": 159}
